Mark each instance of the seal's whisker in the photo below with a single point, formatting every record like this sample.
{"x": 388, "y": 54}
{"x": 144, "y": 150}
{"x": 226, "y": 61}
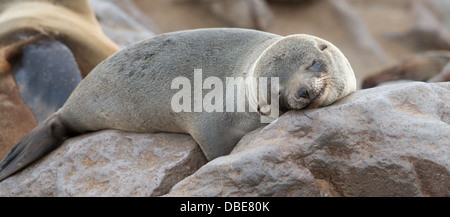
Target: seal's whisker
{"x": 325, "y": 79}
{"x": 328, "y": 78}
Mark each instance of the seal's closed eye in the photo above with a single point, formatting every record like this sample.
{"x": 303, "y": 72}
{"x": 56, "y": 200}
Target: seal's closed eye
{"x": 316, "y": 66}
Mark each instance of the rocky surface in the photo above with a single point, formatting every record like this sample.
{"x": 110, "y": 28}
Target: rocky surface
{"x": 386, "y": 141}
{"x": 369, "y": 41}
{"x": 122, "y": 21}
{"x": 109, "y": 163}
{"x": 389, "y": 141}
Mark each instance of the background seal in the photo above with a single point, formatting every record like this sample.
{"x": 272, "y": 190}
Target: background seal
{"x": 46, "y": 47}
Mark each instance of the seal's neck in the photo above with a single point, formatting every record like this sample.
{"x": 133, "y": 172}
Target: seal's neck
{"x": 259, "y": 97}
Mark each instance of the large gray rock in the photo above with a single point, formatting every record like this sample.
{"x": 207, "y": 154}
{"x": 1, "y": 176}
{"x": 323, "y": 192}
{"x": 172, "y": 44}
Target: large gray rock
{"x": 122, "y": 21}
{"x": 109, "y": 163}
{"x": 386, "y": 141}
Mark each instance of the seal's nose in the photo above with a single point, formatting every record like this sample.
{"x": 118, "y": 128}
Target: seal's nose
{"x": 302, "y": 93}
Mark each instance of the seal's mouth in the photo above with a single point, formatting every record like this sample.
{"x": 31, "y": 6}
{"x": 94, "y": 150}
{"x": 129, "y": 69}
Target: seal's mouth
{"x": 289, "y": 102}
{"x": 315, "y": 102}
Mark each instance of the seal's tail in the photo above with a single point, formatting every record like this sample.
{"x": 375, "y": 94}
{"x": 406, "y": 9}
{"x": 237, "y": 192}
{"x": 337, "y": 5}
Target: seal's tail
{"x": 39, "y": 142}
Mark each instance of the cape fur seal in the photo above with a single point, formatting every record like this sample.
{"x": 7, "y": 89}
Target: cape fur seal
{"x": 132, "y": 90}
{"x": 73, "y": 23}
{"x": 46, "y": 46}
{"x": 46, "y": 75}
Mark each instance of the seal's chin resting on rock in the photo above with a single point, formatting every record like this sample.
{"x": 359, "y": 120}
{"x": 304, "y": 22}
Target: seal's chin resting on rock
{"x": 303, "y": 96}
{"x": 133, "y": 89}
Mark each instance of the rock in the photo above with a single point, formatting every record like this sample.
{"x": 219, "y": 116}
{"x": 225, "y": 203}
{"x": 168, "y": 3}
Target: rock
{"x": 424, "y": 66}
{"x": 386, "y": 141}
{"x": 429, "y": 31}
{"x": 253, "y": 14}
{"x": 443, "y": 76}
{"x": 121, "y": 26}
{"x": 109, "y": 163}
{"x": 352, "y": 22}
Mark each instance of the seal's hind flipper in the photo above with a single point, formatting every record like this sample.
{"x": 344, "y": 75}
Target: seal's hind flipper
{"x": 39, "y": 142}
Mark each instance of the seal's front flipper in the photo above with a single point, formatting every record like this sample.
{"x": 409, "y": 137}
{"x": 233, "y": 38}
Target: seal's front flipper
{"x": 46, "y": 73}
{"x": 39, "y": 142}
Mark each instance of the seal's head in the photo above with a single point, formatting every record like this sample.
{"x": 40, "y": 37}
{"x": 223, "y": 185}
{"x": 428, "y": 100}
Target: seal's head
{"x": 312, "y": 72}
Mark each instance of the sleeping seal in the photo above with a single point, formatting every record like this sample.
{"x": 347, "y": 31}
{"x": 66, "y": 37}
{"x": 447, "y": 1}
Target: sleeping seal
{"x": 133, "y": 89}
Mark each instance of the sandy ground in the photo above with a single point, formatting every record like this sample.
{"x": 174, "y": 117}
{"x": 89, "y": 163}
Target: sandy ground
{"x": 317, "y": 18}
